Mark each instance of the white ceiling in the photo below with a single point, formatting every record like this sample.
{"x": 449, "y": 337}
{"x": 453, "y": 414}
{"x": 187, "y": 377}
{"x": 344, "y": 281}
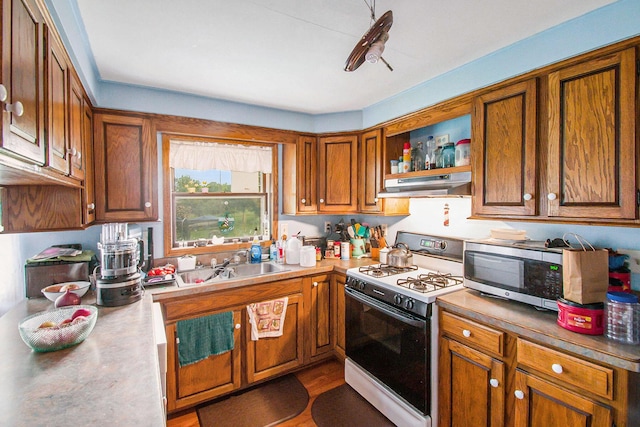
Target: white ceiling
{"x": 290, "y": 54}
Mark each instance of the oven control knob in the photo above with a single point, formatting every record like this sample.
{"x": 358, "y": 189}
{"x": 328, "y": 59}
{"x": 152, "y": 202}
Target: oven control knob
{"x": 361, "y": 285}
{"x": 409, "y": 304}
{"x": 397, "y": 298}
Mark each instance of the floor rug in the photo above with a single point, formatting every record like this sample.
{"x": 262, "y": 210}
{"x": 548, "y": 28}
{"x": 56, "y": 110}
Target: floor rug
{"x": 344, "y": 407}
{"x": 265, "y": 405}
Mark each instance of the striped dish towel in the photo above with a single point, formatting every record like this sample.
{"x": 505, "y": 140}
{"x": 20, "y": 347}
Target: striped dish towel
{"x": 267, "y": 318}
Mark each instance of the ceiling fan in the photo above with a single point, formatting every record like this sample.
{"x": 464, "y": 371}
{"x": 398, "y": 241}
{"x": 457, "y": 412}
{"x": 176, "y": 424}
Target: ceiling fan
{"x": 371, "y": 45}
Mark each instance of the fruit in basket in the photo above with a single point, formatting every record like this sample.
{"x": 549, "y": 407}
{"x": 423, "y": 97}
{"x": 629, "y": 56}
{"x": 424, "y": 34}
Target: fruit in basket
{"x": 68, "y": 298}
{"x": 47, "y": 324}
{"x": 69, "y": 286}
{"x": 80, "y": 312}
{"x": 65, "y": 322}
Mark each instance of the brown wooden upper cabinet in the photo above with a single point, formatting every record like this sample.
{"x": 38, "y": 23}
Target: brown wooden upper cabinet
{"x": 57, "y": 111}
{"x": 23, "y": 69}
{"x": 125, "y": 168}
{"x": 307, "y": 157}
{"x": 570, "y": 158}
{"x": 504, "y": 151}
{"x": 591, "y": 168}
{"x": 337, "y": 180}
{"x": 89, "y": 193}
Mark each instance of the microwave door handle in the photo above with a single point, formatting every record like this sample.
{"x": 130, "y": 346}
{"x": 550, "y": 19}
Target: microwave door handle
{"x": 386, "y": 309}
{"x": 489, "y": 258}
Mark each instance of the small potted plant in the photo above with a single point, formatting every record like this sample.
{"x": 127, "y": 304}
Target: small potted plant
{"x": 205, "y": 187}
{"x": 191, "y": 188}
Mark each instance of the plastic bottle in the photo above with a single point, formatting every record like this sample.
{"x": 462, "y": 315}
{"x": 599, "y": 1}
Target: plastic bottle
{"x": 430, "y": 154}
{"x": 406, "y": 153}
{"x": 293, "y": 250}
{"x": 255, "y": 251}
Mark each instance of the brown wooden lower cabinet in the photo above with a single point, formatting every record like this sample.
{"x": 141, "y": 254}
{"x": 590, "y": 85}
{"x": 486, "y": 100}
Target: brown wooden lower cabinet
{"x": 490, "y": 377}
{"x": 543, "y": 403}
{"x": 249, "y": 361}
{"x": 339, "y": 314}
{"x": 268, "y": 357}
{"x": 472, "y": 387}
{"x": 320, "y": 302}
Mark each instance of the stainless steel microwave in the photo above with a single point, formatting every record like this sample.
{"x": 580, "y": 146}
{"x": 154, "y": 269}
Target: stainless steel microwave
{"x": 527, "y": 273}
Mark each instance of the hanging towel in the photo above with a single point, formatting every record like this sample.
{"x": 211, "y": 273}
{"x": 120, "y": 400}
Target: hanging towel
{"x": 267, "y": 318}
{"x": 204, "y": 336}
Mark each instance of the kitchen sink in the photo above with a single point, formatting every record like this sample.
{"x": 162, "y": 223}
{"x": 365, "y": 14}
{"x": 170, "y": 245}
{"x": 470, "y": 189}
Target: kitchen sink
{"x": 202, "y": 276}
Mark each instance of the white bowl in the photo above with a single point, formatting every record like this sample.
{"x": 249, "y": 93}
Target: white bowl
{"x": 52, "y": 291}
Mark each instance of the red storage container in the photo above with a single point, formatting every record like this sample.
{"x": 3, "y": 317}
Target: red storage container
{"x": 583, "y": 319}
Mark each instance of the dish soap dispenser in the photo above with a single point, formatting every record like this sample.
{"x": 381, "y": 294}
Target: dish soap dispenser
{"x": 256, "y": 251}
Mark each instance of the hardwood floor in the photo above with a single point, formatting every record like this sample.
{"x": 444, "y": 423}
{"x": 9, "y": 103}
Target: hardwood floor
{"x": 316, "y": 379}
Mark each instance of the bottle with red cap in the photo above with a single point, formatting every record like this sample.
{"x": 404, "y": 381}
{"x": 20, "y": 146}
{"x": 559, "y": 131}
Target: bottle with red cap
{"x": 406, "y": 156}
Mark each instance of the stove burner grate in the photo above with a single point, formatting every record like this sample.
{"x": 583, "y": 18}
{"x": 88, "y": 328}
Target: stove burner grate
{"x": 384, "y": 270}
{"x": 429, "y": 282}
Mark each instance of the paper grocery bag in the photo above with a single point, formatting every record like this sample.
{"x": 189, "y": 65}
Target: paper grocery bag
{"x": 585, "y": 274}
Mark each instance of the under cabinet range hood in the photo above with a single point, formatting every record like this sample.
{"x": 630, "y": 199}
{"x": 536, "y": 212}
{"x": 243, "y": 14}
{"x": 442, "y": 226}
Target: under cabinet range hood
{"x": 448, "y": 184}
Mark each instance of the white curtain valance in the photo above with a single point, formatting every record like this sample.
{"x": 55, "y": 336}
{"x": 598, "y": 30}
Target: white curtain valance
{"x": 196, "y": 155}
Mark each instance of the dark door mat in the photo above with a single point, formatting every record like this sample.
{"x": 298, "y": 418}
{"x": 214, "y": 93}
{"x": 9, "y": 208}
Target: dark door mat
{"x": 344, "y": 407}
{"x": 265, "y": 405}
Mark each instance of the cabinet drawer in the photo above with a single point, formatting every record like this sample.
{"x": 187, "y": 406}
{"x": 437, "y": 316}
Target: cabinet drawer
{"x": 568, "y": 369}
{"x": 473, "y": 333}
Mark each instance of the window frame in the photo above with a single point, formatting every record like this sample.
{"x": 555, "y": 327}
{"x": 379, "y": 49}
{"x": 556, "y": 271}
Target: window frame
{"x": 168, "y": 197}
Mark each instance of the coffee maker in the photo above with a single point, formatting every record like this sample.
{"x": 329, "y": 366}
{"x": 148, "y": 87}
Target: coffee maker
{"x": 120, "y": 281}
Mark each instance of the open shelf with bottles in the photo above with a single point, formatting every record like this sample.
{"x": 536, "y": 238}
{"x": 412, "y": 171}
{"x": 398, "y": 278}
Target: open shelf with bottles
{"x": 449, "y": 121}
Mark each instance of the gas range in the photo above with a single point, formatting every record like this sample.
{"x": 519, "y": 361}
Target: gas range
{"x": 437, "y": 270}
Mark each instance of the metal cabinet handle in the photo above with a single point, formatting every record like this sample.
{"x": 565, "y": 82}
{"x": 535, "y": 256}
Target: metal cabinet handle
{"x": 557, "y": 368}
{"x": 494, "y": 382}
{"x": 315, "y": 284}
{"x": 237, "y": 325}
{"x": 527, "y": 196}
{"x": 3, "y": 93}
{"x": 321, "y": 200}
{"x": 16, "y": 108}
{"x": 466, "y": 333}
{"x": 519, "y": 394}
{"x": 147, "y": 204}
{"x": 91, "y": 206}
{"x": 304, "y": 201}
{"x": 375, "y": 199}
{"x": 551, "y": 196}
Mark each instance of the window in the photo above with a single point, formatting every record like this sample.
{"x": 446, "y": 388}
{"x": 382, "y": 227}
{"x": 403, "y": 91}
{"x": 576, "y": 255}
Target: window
{"x": 220, "y": 191}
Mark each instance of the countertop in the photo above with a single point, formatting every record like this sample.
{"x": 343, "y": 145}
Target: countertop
{"x": 291, "y": 271}
{"x": 111, "y": 378}
{"x": 541, "y": 326}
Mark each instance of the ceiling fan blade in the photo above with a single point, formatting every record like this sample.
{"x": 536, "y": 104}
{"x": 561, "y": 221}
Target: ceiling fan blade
{"x": 357, "y": 56}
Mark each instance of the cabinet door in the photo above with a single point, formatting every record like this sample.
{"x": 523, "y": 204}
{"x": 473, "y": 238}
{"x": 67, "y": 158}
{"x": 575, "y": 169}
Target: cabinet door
{"x": 267, "y": 357}
{"x": 77, "y": 155}
{"x": 307, "y": 175}
{"x": 504, "y": 151}
{"x": 370, "y": 172}
{"x": 320, "y": 313}
{"x": 541, "y": 403}
{"x": 23, "y": 78}
{"x": 57, "y": 108}
{"x": 471, "y": 387}
{"x": 89, "y": 193}
{"x": 337, "y": 174}
{"x": 126, "y": 169}
{"x": 339, "y": 313}
{"x": 591, "y": 156}
{"x": 206, "y": 379}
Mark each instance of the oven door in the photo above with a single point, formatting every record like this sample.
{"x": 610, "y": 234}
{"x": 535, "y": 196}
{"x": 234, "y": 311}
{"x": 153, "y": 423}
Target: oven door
{"x": 391, "y": 345}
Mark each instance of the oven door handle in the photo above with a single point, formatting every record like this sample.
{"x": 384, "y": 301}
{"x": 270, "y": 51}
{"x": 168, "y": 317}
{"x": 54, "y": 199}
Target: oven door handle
{"x": 385, "y": 308}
